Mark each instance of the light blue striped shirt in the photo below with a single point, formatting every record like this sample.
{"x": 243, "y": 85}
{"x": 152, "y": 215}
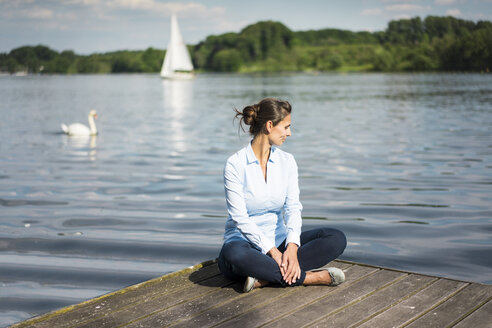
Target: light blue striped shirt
{"x": 262, "y": 212}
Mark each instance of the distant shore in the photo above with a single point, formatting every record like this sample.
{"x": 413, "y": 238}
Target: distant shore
{"x": 434, "y": 44}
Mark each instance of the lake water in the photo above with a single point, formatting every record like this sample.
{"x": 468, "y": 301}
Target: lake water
{"x": 402, "y": 163}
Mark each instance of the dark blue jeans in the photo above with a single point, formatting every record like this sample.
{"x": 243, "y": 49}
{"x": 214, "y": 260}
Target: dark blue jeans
{"x": 239, "y": 259}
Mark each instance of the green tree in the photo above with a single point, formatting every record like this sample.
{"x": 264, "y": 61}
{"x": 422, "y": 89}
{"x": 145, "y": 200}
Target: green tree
{"x": 59, "y": 65}
{"x": 3, "y": 62}
{"x": 266, "y": 38}
{"x": 227, "y": 60}
{"x": 152, "y": 60}
{"x": 405, "y": 31}
{"x": 87, "y": 65}
{"x": 335, "y": 61}
{"x": 27, "y": 58}
{"x": 68, "y": 54}
{"x": 305, "y": 59}
{"x": 439, "y": 27}
{"x": 383, "y": 60}
{"x": 44, "y": 53}
{"x": 334, "y": 37}
{"x": 125, "y": 65}
{"x": 472, "y": 52}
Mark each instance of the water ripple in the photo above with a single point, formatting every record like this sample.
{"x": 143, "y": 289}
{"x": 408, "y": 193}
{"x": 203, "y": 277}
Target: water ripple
{"x": 399, "y": 162}
{"x": 24, "y": 202}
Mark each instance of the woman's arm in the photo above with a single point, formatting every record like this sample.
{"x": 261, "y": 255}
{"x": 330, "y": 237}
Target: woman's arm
{"x": 292, "y": 205}
{"x": 293, "y": 222}
{"x": 236, "y": 207}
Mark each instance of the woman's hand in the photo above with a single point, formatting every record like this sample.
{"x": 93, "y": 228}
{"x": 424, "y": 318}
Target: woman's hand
{"x": 290, "y": 264}
{"x": 277, "y": 256}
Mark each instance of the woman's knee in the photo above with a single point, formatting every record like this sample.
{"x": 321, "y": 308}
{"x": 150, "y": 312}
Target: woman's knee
{"x": 229, "y": 258}
{"x": 235, "y": 251}
{"x": 337, "y": 239}
{"x": 341, "y": 240}
{"x": 239, "y": 256}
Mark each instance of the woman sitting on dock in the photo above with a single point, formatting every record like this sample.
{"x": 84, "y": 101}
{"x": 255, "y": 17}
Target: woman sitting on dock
{"x": 263, "y": 241}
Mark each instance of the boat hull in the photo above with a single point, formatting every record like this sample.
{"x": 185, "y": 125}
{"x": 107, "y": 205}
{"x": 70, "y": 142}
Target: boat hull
{"x": 179, "y": 76}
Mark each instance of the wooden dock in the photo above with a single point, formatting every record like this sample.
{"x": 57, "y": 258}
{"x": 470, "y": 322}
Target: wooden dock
{"x": 200, "y": 296}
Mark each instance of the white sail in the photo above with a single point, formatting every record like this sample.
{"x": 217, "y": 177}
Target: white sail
{"x": 177, "y": 62}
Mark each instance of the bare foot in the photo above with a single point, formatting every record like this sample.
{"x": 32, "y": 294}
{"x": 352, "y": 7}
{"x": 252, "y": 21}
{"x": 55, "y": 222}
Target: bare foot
{"x": 317, "y": 278}
{"x": 260, "y": 283}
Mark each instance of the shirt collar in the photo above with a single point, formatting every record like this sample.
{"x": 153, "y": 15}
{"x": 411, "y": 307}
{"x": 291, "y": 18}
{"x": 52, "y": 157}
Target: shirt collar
{"x": 251, "y": 157}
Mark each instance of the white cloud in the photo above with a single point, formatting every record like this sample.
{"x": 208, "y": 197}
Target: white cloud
{"x": 17, "y": 2}
{"x": 445, "y": 2}
{"x": 38, "y": 13}
{"x": 226, "y": 25}
{"x": 402, "y": 16}
{"x": 53, "y": 25}
{"x": 372, "y": 12}
{"x": 166, "y": 8}
{"x": 67, "y": 16}
{"x": 404, "y": 7}
{"x": 453, "y": 12}
{"x": 481, "y": 16}
{"x": 15, "y": 11}
{"x": 97, "y": 14}
{"x": 105, "y": 8}
{"x": 400, "y": 9}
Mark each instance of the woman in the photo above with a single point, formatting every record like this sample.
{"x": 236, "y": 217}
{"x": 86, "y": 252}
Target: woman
{"x": 263, "y": 241}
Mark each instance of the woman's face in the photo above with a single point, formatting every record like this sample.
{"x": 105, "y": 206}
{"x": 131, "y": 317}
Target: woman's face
{"x": 279, "y": 132}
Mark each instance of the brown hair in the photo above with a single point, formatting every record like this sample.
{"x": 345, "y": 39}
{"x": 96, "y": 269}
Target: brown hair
{"x": 256, "y": 115}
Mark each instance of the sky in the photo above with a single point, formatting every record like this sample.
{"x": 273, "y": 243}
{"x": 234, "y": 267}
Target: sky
{"x": 89, "y": 26}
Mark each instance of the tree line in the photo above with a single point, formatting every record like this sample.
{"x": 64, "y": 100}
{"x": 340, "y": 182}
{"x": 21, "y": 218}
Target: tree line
{"x": 432, "y": 44}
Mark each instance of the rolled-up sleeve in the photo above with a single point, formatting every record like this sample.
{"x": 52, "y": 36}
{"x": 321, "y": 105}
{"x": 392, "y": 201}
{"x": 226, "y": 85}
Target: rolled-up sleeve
{"x": 292, "y": 206}
{"x": 237, "y": 210}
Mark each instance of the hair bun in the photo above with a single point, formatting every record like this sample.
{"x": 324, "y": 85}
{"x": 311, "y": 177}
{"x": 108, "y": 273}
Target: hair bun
{"x": 249, "y": 114}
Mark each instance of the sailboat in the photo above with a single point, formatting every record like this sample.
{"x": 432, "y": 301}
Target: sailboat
{"x": 177, "y": 62}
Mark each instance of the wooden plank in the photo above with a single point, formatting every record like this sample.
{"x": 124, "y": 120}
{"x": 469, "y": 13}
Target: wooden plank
{"x": 267, "y": 311}
{"x": 419, "y": 303}
{"x": 150, "y": 306}
{"x": 100, "y": 306}
{"x": 260, "y": 298}
{"x": 480, "y": 318}
{"x": 185, "y": 310}
{"x": 232, "y": 309}
{"x": 377, "y": 302}
{"x": 200, "y": 296}
{"x": 455, "y": 308}
{"x": 341, "y": 297}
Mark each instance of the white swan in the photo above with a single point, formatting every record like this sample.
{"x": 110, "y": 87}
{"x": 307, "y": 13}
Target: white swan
{"x": 78, "y": 129}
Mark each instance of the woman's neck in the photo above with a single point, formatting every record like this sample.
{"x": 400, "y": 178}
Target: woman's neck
{"x": 261, "y": 147}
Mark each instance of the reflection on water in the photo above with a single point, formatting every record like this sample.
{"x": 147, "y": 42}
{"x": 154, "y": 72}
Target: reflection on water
{"x": 81, "y": 146}
{"x": 400, "y": 163}
{"x": 178, "y": 97}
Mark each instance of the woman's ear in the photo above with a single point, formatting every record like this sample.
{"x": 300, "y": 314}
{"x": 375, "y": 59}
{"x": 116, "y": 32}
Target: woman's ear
{"x": 268, "y": 126}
